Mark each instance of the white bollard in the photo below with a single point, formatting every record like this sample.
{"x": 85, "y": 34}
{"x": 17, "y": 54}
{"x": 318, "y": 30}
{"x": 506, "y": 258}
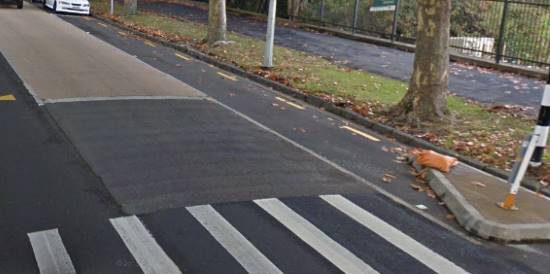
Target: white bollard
{"x": 112, "y": 10}
{"x": 268, "y": 54}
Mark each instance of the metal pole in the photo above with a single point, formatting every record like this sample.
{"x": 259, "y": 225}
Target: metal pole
{"x": 322, "y": 15}
{"x": 355, "y": 16}
{"x": 502, "y": 32}
{"x": 112, "y": 10}
{"x": 268, "y": 54}
{"x": 543, "y": 125}
{"x": 394, "y": 27}
{"x": 518, "y": 172}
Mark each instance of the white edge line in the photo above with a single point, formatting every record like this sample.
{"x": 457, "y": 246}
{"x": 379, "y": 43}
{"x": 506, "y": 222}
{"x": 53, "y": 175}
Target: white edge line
{"x": 122, "y": 98}
{"x": 350, "y": 173}
{"x": 399, "y": 239}
{"x": 311, "y": 235}
{"x": 252, "y": 259}
{"x": 61, "y": 260}
{"x": 142, "y": 245}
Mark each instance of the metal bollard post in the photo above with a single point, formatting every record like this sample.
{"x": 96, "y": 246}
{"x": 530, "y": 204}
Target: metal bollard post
{"x": 543, "y": 125}
{"x": 395, "y": 18}
{"x": 112, "y": 10}
{"x": 355, "y": 16}
{"x": 268, "y": 54}
{"x": 518, "y": 172}
{"x": 502, "y": 32}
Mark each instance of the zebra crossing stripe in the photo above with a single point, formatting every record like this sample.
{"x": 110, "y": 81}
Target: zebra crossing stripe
{"x": 311, "y": 235}
{"x": 146, "y": 251}
{"x": 232, "y": 240}
{"x": 399, "y": 239}
{"x": 50, "y": 253}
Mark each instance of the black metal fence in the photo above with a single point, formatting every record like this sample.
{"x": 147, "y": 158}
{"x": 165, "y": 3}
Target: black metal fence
{"x": 514, "y": 32}
{"x": 506, "y": 31}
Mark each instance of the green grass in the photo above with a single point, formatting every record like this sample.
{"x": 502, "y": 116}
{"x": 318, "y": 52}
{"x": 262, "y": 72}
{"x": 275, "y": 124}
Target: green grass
{"x": 499, "y": 133}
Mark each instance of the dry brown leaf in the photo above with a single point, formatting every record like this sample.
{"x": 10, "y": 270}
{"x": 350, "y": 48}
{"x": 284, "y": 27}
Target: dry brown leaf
{"x": 480, "y": 184}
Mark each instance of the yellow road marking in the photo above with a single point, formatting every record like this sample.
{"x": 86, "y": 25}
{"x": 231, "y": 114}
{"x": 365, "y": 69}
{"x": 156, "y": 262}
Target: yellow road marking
{"x": 8, "y": 97}
{"x": 358, "y": 132}
{"x": 182, "y": 57}
{"x": 101, "y": 24}
{"x": 229, "y": 77}
{"x": 290, "y": 103}
{"x": 149, "y": 44}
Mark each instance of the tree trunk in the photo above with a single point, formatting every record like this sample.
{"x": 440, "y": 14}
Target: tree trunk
{"x": 217, "y": 22}
{"x": 293, "y": 7}
{"x": 130, "y": 7}
{"x": 426, "y": 98}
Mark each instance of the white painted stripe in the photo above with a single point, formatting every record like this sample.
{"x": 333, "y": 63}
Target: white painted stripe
{"x": 543, "y": 131}
{"x": 399, "y": 239}
{"x": 147, "y": 252}
{"x": 311, "y": 235}
{"x": 350, "y": 173}
{"x": 546, "y": 96}
{"x": 50, "y": 253}
{"x": 233, "y": 241}
{"x": 122, "y": 98}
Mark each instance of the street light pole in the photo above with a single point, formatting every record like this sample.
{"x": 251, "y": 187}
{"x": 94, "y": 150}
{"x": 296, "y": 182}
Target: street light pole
{"x": 268, "y": 54}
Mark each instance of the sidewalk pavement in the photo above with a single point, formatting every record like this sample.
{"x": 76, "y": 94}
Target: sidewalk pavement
{"x": 481, "y": 85}
{"x": 472, "y": 196}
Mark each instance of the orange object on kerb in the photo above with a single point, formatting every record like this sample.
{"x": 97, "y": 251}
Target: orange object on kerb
{"x": 429, "y": 158}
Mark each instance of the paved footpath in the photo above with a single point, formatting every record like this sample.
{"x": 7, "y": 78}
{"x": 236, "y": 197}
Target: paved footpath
{"x": 489, "y": 87}
{"x": 221, "y": 176}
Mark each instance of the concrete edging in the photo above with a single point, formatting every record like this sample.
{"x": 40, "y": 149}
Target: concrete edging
{"x": 317, "y": 101}
{"x": 473, "y": 222}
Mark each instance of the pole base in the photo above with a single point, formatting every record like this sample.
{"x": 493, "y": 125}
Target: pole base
{"x": 509, "y": 202}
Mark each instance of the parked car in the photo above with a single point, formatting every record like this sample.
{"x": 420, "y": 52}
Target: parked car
{"x": 68, "y": 6}
{"x": 19, "y": 3}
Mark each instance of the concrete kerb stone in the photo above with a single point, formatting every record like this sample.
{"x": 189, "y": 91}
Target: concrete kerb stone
{"x": 472, "y": 221}
{"x": 327, "y": 106}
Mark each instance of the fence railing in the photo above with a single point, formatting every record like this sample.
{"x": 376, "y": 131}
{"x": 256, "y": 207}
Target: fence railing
{"x": 506, "y": 31}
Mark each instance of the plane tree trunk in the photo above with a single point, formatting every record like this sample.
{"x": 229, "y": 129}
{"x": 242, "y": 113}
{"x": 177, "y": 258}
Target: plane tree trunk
{"x": 426, "y": 98}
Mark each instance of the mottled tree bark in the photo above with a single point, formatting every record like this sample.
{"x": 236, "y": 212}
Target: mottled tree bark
{"x": 217, "y": 22}
{"x": 130, "y": 7}
{"x": 426, "y": 98}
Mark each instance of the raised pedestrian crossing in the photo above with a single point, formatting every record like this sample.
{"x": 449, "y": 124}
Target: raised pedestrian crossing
{"x": 139, "y": 237}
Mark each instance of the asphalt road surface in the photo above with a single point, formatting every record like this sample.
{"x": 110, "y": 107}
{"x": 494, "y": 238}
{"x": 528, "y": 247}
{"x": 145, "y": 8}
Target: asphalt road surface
{"x": 175, "y": 166}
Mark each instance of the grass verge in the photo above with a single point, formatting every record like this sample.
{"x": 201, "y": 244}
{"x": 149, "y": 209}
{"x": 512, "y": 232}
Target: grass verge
{"x": 491, "y": 136}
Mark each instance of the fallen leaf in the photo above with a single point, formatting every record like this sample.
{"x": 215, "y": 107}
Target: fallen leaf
{"x": 480, "y": 184}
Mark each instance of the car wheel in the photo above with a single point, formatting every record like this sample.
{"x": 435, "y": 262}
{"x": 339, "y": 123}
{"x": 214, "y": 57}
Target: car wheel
{"x": 44, "y": 3}
{"x": 54, "y": 6}
{"x": 20, "y": 4}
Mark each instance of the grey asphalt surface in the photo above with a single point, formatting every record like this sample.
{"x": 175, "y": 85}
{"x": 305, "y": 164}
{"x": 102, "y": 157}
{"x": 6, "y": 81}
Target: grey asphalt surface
{"x": 45, "y": 184}
{"x": 57, "y": 62}
{"x": 311, "y": 127}
{"x": 158, "y": 154}
{"x": 64, "y": 191}
{"x": 481, "y": 85}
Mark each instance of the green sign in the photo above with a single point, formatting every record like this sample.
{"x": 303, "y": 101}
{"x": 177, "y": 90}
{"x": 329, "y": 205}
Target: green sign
{"x": 383, "y": 5}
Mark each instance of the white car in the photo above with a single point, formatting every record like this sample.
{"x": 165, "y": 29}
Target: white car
{"x": 69, "y": 6}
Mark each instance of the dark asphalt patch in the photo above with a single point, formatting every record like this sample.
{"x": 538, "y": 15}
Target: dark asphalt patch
{"x": 156, "y": 154}
{"x": 44, "y": 184}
